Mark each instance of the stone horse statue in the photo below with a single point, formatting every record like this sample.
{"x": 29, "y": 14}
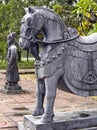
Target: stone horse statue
{"x": 63, "y": 58}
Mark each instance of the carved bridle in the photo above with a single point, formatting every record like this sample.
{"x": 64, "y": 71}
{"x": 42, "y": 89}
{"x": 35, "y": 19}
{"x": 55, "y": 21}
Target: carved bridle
{"x": 30, "y": 37}
{"x": 33, "y": 39}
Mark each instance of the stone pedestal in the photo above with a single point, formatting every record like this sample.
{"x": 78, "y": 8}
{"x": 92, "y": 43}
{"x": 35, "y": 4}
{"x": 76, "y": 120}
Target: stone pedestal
{"x": 12, "y": 89}
{"x": 77, "y": 120}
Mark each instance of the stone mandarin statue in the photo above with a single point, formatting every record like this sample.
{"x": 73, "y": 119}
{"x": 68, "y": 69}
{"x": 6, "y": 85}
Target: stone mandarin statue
{"x": 12, "y": 74}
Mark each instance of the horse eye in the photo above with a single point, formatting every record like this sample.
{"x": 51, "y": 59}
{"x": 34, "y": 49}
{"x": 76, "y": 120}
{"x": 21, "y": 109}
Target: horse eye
{"x": 22, "y": 22}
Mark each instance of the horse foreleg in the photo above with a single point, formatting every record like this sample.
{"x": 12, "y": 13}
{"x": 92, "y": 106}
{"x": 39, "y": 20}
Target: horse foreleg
{"x": 50, "y": 84}
{"x": 40, "y": 93}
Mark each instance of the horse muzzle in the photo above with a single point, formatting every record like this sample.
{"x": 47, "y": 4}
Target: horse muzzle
{"x": 24, "y": 44}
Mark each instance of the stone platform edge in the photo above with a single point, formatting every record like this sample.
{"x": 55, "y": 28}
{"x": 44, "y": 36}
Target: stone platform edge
{"x": 76, "y": 120}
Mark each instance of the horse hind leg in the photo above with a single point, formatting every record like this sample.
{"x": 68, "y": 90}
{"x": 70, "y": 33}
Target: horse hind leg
{"x": 40, "y": 93}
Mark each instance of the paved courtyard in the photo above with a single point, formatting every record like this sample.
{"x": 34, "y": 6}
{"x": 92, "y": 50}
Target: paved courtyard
{"x": 13, "y": 107}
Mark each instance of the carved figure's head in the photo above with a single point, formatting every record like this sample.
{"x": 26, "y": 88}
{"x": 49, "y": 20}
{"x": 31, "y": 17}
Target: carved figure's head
{"x": 11, "y": 38}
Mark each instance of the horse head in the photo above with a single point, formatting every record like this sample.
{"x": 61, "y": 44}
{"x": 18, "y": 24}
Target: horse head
{"x": 40, "y": 20}
{"x": 31, "y": 25}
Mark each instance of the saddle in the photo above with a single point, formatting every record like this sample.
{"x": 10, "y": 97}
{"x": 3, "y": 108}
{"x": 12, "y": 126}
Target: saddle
{"x": 88, "y": 40}
{"x": 86, "y": 43}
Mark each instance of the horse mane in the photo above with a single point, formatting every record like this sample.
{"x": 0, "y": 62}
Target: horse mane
{"x": 49, "y": 14}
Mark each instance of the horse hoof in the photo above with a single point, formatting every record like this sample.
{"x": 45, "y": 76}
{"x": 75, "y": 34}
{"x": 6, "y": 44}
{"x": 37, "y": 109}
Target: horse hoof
{"x": 38, "y": 111}
{"x": 47, "y": 118}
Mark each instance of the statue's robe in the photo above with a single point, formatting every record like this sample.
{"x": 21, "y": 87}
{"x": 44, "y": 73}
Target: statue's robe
{"x": 12, "y": 74}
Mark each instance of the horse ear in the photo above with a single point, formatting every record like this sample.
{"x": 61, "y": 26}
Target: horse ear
{"x": 26, "y": 10}
{"x": 31, "y": 9}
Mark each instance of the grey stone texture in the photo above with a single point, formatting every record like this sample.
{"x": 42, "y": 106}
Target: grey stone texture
{"x": 76, "y": 120}
{"x": 12, "y": 74}
{"x": 65, "y": 59}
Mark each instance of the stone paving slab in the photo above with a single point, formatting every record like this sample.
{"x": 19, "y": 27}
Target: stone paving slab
{"x": 21, "y": 71}
{"x": 7, "y": 124}
{"x": 14, "y": 107}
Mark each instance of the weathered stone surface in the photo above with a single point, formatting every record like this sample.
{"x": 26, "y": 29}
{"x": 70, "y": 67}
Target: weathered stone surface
{"x": 92, "y": 128}
{"x": 21, "y": 126}
{"x": 12, "y": 74}
{"x": 64, "y": 55}
{"x": 77, "y": 120}
{"x": 15, "y": 89}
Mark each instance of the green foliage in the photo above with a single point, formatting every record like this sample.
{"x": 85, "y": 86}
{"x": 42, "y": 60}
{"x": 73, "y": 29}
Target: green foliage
{"x": 15, "y": 13}
{"x": 21, "y": 65}
{"x": 2, "y": 51}
{"x": 64, "y": 9}
{"x": 12, "y": 11}
{"x": 86, "y": 13}
{"x": 94, "y": 28}
{"x": 58, "y": 9}
{"x": 26, "y": 64}
{"x": 3, "y": 65}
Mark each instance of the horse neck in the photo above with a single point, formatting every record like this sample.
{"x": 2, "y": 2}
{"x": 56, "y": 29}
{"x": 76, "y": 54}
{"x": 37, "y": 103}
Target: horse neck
{"x": 52, "y": 31}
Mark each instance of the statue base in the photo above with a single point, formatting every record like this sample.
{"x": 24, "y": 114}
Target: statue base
{"x": 12, "y": 88}
{"x": 77, "y": 120}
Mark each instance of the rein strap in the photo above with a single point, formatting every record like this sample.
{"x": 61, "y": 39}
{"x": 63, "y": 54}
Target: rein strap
{"x": 35, "y": 40}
